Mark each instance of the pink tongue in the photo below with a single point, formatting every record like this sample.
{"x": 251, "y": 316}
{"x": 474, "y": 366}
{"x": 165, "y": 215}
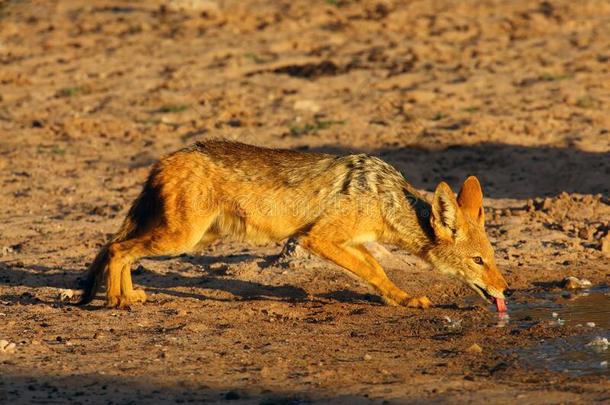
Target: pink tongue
{"x": 500, "y": 305}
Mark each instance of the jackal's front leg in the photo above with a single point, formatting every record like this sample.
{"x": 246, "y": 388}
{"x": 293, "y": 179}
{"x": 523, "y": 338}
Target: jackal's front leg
{"x": 418, "y": 302}
{"x": 359, "y": 261}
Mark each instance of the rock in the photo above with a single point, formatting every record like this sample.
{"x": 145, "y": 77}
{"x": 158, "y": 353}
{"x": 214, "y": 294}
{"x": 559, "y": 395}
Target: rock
{"x": 367, "y": 357}
{"x": 453, "y": 323}
{"x": 67, "y": 295}
{"x": 377, "y": 250}
{"x": 6, "y": 250}
{"x": 475, "y": 348}
{"x": 590, "y": 324}
{"x": 572, "y": 283}
{"x": 585, "y": 233}
{"x": 599, "y": 343}
{"x": 605, "y": 245}
{"x": 192, "y": 6}
{"x": 291, "y": 254}
{"x": 421, "y": 96}
{"x": 7, "y": 347}
{"x": 306, "y": 105}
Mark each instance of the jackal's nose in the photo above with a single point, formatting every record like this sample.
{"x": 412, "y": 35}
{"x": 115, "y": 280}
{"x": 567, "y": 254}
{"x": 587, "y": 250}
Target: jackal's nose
{"x": 508, "y": 292}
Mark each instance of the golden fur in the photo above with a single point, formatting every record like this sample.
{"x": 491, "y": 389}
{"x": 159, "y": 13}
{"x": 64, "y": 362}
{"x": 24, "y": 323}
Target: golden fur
{"x": 331, "y": 204}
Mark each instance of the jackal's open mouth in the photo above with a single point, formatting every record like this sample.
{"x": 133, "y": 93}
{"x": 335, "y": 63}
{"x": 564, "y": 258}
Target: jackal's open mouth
{"x": 483, "y": 293}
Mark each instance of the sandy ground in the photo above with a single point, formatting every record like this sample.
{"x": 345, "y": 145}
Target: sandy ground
{"x": 91, "y": 93}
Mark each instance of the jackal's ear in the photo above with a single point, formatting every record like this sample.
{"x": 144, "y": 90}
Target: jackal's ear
{"x": 470, "y": 199}
{"x": 446, "y": 215}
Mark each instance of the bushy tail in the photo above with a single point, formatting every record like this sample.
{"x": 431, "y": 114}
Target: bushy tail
{"x": 93, "y": 278}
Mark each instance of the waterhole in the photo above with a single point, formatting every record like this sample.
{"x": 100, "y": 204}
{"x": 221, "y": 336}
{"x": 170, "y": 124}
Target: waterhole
{"x": 586, "y": 310}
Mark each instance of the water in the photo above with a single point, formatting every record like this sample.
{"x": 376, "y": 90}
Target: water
{"x": 587, "y": 310}
{"x": 575, "y": 355}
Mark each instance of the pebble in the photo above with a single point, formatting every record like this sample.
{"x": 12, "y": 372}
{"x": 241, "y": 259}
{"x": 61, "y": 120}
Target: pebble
{"x": 572, "y": 283}
{"x": 453, "y": 324}
{"x": 585, "y": 233}
{"x": 421, "y": 97}
{"x": 367, "y": 357}
{"x": 306, "y": 105}
{"x": 6, "y": 250}
{"x": 6, "y": 346}
{"x": 591, "y": 324}
{"x": 66, "y": 294}
{"x": 475, "y": 348}
{"x": 377, "y": 250}
{"x": 194, "y": 6}
{"x": 599, "y": 342}
{"x": 605, "y": 245}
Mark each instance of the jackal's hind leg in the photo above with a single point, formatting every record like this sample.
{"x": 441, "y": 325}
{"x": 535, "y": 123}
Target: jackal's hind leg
{"x": 129, "y": 295}
{"x": 119, "y": 288}
{"x": 157, "y": 241}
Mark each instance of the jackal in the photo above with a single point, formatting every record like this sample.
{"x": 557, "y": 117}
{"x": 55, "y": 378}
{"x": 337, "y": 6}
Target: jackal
{"x": 331, "y": 204}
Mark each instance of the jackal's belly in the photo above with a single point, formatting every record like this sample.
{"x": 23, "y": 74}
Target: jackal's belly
{"x": 255, "y": 228}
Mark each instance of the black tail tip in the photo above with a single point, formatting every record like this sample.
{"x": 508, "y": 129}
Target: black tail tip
{"x": 82, "y": 302}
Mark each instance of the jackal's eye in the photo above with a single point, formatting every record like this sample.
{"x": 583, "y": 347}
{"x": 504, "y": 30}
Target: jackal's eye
{"x": 478, "y": 260}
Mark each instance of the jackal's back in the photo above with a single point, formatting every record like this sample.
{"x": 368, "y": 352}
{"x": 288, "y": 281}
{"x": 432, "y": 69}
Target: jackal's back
{"x": 263, "y": 194}
{"x": 351, "y": 174}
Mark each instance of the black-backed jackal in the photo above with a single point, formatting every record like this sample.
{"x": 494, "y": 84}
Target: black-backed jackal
{"x": 331, "y": 204}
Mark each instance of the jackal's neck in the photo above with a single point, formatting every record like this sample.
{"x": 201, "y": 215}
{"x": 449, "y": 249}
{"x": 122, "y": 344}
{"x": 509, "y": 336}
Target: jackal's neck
{"x": 409, "y": 226}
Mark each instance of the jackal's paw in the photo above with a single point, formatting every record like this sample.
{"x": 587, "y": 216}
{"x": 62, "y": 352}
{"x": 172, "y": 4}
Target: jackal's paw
{"x": 125, "y": 301}
{"x": 138, "y": 296}
{"x": 112, "y": 301}
{"x": 419, "y": 302}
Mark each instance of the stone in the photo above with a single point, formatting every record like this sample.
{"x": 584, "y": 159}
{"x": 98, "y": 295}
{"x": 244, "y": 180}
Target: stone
{"x": 421, "y": 96}
{"x": 475, "y": 348}
{"x": 573, "y": 283}
{"x": 306, "y": 105}
{"x": 605, "y": 245}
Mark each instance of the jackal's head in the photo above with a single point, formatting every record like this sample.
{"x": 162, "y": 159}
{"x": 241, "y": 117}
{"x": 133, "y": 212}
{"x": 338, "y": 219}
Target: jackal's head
{"x": 462, "y": 247}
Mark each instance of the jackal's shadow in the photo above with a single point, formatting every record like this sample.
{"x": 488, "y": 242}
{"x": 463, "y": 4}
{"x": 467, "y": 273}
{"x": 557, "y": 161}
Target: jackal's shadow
{"x": 173, "y": 283}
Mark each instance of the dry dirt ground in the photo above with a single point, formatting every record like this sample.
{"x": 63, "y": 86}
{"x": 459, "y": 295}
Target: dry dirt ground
{"x": 91, "y": 93}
